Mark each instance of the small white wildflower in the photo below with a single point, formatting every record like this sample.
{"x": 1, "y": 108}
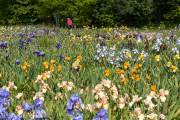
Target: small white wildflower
{"x": 162, "y": 116}
{"x": 19, "y": 95}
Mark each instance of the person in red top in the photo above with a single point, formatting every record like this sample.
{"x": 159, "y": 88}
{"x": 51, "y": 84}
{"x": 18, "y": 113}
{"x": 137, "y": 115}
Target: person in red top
{"x": 69, "y": 23}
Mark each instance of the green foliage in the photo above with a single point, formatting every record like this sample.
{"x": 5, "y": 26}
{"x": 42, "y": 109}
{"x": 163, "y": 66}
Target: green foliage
{"x": 133, "y": 11}
{"x": 167, "y": 10}
{"x": 174, "y": 12}
{"x": 90, "y": 12}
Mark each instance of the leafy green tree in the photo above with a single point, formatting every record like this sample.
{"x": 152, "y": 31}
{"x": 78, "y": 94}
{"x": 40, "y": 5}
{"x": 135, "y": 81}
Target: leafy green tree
{"x": 102, "y": 13}
{"x": 4, "y": 10}
{"x": 90, "y": 12}
{"x": 83, "y": 12}
{"x": 23, "y": 11}
{"x": 174, "y": 11}
{"x": 166, "y": 10}
{"x": 48, "y": 9}
{"x": 133, "y": 12}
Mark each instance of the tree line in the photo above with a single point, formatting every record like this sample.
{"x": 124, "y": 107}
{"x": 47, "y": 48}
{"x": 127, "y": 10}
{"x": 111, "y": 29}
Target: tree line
{"x": 90, "y": 12}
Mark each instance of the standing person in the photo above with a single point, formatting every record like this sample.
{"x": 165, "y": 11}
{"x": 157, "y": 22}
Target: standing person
{"x": 75, "y": 22}
{"x": 69, "y": 23}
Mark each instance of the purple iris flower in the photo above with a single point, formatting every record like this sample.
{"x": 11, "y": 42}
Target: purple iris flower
{"x": 40, "y": 32}
{"x": 142, "y": 37}
{"x": 31, "y": 34}
{"x": 74, "y": 99}
{"x": 3, "y": 113}
{"x": 12, "y": 116}
{"x": 39, "y": 53}
{"x": 58, "y": 45}
{"x": 18, "y": 62}
{"x": 22, "y": 35}
{"x": 101, "y": 115}
{"x": 38, "y": 103}
{"x": 28, "y": 41}
{"x": 21, "y": 43}
{"x": 3, "y": 116}
{"x": 78, "y": 116}
{"x": 40, "y": 114}
{"x": 5, "y": 102}
{"x": 4, "y": 44}
{"x": 27, "y": 107}
{"x": 3, "y": 93}
{"x": 52, "y": 33}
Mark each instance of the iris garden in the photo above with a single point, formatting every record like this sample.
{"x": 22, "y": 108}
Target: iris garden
{"x": 89, "y": 73}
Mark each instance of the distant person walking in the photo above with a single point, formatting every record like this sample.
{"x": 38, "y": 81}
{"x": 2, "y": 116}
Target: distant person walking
{"x": 69, "y": 23}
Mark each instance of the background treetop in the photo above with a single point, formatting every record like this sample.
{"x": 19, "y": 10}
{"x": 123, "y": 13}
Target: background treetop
{"x": 90, "y": 12}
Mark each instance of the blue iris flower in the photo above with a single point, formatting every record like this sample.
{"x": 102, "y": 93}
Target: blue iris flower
{"x": 12, "y": 116}
{"x": 4, "y": 104}
{"x": 4, "y": 44}
{"x": 58, "y": 45}
{"x": 4, "y": 100}
{"x": 71, "y": 109}
{"x": 18, "y": 62}
{"x": 101, "y": 115}
{"x": 3, "y": 93}
{"x": 40, "y": 113}
{"x": 39, "y": 53}
{"x": 31, "y": 34}
{"x": 78, "y": 116}
{"x": 27, "y": 107}
{"x": 22, "y": 35}
{"x": 28, "y": 41}
{"x": 75, "y": 99}
{"x": 21, "y": 43}
{"x": 38, "y": 103}
{"x": 3, "y": 113}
